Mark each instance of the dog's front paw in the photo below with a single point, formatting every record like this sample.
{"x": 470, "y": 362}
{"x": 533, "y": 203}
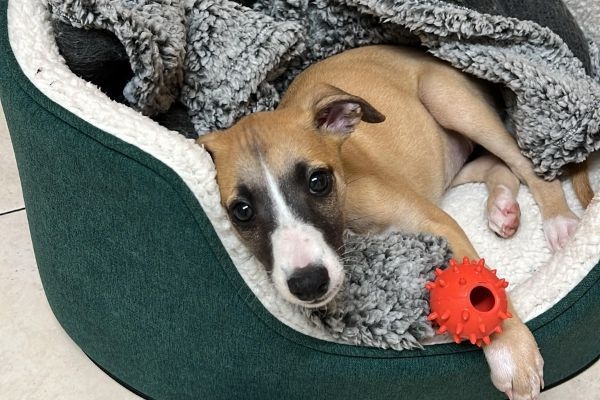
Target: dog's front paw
{"x": 516, "y": 364}
{"x": 558, "y": 230}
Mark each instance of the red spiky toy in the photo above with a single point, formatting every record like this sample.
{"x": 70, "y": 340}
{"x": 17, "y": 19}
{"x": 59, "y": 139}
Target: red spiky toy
{"x": 468, "y": 301}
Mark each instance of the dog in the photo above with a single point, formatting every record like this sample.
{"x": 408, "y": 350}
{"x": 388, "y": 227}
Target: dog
{"x": 369, "y": 140}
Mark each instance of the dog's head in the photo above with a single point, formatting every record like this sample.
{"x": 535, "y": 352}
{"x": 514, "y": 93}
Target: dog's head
{"x": 281, "y": 181}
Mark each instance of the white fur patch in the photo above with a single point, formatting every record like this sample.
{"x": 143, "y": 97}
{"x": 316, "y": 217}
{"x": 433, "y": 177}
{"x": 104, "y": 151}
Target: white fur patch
{"x": 502, "y": 367}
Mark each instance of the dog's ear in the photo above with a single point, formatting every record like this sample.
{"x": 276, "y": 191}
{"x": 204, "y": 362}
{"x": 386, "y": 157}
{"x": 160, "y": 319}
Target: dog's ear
{"x": 208, "y": 141}
{"x": 339, "y": 112}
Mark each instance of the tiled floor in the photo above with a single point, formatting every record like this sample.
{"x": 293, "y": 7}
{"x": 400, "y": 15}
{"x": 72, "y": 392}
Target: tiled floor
{"x": 38, "y": 361}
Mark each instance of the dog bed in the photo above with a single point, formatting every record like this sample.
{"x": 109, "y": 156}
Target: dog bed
{"x": 143, "y": 271}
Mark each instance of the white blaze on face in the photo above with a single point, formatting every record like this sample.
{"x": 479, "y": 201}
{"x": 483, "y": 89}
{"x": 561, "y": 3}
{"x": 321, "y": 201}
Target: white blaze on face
{"x": 296, "y": 245}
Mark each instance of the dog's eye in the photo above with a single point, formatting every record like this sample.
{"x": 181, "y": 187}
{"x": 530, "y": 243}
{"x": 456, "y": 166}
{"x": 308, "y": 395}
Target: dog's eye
{"x": 320, "y": 182}
{"x": 242, "y": 211}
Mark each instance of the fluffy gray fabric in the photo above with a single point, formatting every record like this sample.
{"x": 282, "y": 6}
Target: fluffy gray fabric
{"x": 231, "y": 53}
{"x": 153, "y": 33}
{"x": 382, "y": 303}
{"x": 223, "y": 60}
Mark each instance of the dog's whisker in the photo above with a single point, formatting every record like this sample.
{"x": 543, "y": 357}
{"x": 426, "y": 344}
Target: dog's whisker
{"x": 355, "y": 180}
{"x": 348, "y": 252}
{"x": 340, "y": 247}
{"x": 368, "y": 216}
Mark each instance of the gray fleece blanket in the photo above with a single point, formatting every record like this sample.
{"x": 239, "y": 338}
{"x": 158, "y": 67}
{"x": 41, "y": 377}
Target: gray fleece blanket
{"x": 224, "y": 60}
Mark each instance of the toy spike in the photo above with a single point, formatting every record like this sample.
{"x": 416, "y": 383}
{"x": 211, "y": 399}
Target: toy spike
{"x": 459, "y": 328}
{"x": 446, "y": 315}
{"x": 498, "y": 329}
{"x": 494, "y": 271}
{"x": 503, "y": 315}
{"x": 486, "y": 340}
{"x": 457, "y": 339}
{"x": 482, "y": 327}
{"x": 429, "y": 286}
{"x": 472, "y": 338}
{"x": 438, "y": 271}
{"x": 432, "y": 316}
{"x": 442, "y": 329}
{"x": 465, "y": 260}
{"x": 465, "y": 315}
{"x": 452, "y": 262}
{"x": 502, "y": 284}
{"x": 442, "y": 283}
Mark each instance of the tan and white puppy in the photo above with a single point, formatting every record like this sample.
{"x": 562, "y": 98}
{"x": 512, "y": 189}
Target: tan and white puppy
{"x": 369, "y": 140}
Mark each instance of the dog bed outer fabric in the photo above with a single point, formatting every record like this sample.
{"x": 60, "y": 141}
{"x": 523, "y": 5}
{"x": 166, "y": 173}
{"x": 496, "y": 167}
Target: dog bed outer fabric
{"x": 137, "y": 276}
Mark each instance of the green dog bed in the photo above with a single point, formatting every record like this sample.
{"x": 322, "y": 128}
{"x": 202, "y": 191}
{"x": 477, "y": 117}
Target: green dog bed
{"x": 143, "y": 271}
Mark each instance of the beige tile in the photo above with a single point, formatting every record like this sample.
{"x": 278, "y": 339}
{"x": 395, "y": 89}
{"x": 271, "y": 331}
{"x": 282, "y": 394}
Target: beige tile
{"x": 11, "y": 197}
{"x": 585, "y": 386}
{"x": 38, "y": 361}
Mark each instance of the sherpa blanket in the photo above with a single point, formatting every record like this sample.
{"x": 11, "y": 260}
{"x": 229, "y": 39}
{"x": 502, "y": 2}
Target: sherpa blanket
{"x": 224, "y": 60}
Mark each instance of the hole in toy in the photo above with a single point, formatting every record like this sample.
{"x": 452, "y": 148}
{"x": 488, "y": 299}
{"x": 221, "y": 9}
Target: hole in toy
{"x": 482, "y": 299}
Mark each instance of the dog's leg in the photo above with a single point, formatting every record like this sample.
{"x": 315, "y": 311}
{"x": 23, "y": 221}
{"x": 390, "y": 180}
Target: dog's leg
{"x": 515, "y": 362}
{"x": 514, "y": 359}
{"x": 502, "y": 208}
{"x": 461, "y": 105}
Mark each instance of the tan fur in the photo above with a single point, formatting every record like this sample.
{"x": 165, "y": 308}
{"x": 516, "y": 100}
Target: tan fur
{"x": 581, "y": 183}
{"x": 237, "y": 151}
{"x": 394, "y": 172}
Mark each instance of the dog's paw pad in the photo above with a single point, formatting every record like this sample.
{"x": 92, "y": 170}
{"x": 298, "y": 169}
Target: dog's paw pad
{"x": 504, "y": 213}
{"x": 559, "y": 229}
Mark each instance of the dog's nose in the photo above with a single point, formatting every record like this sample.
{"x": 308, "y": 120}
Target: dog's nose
{"x": 309, "y": 283}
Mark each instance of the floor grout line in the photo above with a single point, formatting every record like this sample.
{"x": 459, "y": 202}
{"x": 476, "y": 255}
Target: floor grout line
{"x": 12, "y": 211}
